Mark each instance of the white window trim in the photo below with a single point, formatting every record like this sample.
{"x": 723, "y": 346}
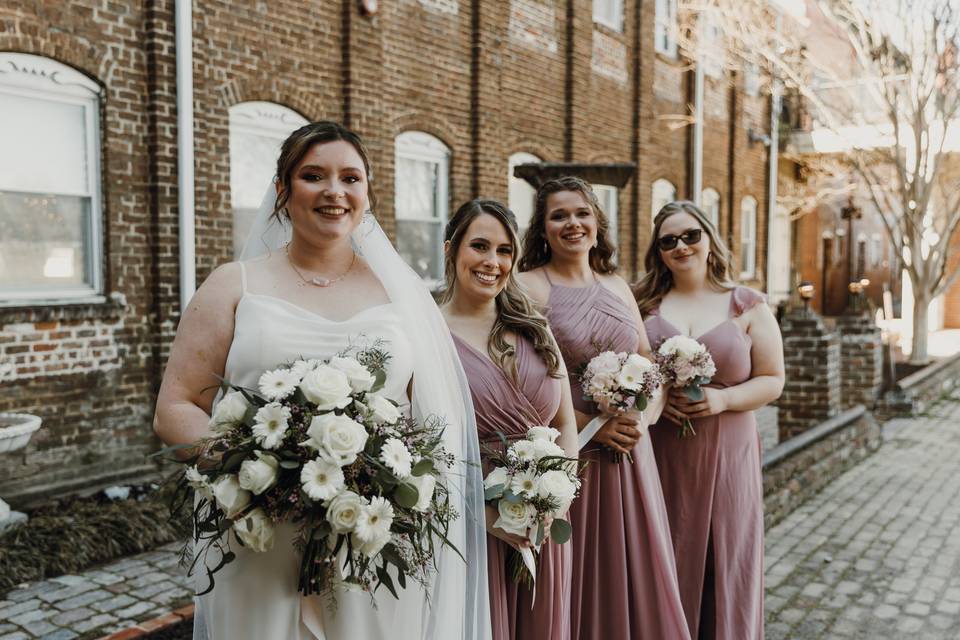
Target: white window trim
{"x": 748, "y": 212}
{"x": 417, "y": 145}
{"x": 44, "y": 78}
{"x": 665, "y": 28}
{"x": 712, "y": 196}
{"x": 516, "y": 159}
{"x": 612, "y": 212}
{"x": 659, "y": 185}
{"x": 616, "y": 8}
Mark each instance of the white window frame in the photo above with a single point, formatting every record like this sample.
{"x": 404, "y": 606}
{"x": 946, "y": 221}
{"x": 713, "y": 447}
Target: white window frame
{"x": 748, "y": 238}
{"x": 39, "y": 77}
{"x": 662, "y": 192}
{"x": 609, "y": 198}
{"x": 710, "y": 199}
{"x": 751, "y": 80}
{"x": 264, "y": 119}
{"x": 520, "y": 188}
{"x": 665, "y": 27}
{"x": 417, "y": 145}
{"x": 609, "y": 13}
{"x": 713, "y": 50}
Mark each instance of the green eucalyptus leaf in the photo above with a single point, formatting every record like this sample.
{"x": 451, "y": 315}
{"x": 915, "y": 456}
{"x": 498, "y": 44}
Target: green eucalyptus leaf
{"x": 422, "y": 467}
{"x": 406, "y": 495}
{"x": 560, "y": 531}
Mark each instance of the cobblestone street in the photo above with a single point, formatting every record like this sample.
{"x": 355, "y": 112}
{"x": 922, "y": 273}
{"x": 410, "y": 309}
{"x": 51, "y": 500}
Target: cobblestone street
{"x": 877, "y": 553}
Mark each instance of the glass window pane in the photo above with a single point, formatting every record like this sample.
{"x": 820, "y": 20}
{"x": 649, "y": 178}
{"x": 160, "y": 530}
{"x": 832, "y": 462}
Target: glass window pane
{"x": 520, "y": 194}
{"x": 44, "y": 242}
{"x": 416, "y": 192}
{"x": 418, "y": 243}
{"x": 44, "y": 146}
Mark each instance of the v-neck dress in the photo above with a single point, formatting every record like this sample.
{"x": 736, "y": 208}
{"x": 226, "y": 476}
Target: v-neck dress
{"x": 713, "y": 489}
{"x": 624, "y": 575}
{"x": 511, "y": 407}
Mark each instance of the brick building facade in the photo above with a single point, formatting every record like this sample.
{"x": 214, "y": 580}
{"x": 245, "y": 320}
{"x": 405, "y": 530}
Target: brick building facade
{"x": 473, "y": 81}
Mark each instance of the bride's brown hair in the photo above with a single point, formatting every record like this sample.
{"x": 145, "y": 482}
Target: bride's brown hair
{"x": 515, "y": 311}
{"x": 296, "y": 146}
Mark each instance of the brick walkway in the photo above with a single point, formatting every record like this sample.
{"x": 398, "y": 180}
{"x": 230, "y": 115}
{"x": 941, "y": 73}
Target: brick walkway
{"x": 113, "y": 597}
{"x": 877, "y": 553}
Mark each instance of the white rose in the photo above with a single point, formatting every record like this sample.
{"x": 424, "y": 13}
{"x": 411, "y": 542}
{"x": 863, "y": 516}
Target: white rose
{"x": 343, "y": 511}
{"x": 425, "y": 484}
{"x": 544, "y": 448}
{"x": 606, "y": 362}
{"x": 543, "y": 433}
{"x": 515, "y": 517}
{"x": 631, "y": 375}
{"x": 522, "y": 450}
{"x": 229, "y": 411}
{"x": 358, "y": 375}
{"x": 372, "y": 547}
{"x": 255, "y": 530}
{"x": 558, "y": 485}
{"x": 684, "y": 346}
{"x": 384, "y": 411}
{"x": 338, "y": 438}
{"x": 497, "y": 476}
{"x": 230, "y": 496}
{"x": 327, "y": 388}
{"x": 259, "y": 475}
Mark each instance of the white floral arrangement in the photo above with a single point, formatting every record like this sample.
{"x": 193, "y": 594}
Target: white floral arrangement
{"x": 620, "y": 383}
{"x": 688, "y": 365}
{"x": 531, "y": 485}
{"x": 318, "y": 446}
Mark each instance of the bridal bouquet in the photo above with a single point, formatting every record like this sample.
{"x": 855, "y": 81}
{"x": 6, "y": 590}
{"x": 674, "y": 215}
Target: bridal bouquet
{"x": 320, "y": 448}
{"x": 618, "y": 383}
{"x": 688, "y": 365}
{"x": 531, "y": 485}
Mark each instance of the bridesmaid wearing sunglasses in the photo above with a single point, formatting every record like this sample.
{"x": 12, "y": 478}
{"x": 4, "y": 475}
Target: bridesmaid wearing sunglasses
{"x": 712, "y": 481}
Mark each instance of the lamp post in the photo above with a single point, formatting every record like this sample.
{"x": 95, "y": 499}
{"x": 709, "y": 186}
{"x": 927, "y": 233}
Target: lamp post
{"x": 806, "y": 291}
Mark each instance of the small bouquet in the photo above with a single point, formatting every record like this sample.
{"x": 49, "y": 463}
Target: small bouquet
{"x": 688, "y": 365}
{"x": 319, "y": 447}
{"x": 532, "y": 483}
{"x": 618, "y": 383}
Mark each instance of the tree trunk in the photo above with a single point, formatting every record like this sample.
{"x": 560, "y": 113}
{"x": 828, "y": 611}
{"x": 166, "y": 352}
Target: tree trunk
{"x": 921, "y": 313}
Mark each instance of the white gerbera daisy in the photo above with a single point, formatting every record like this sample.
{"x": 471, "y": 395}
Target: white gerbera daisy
{"x": 321, "y": 480}
{"x": 375, "y": 520}
{"x": 397, "y": 457}
{"x": 525, "y": 483}
{"x": 270, "y": 425}
{"x": 303, "y": 367}
{"x": 278, "y": 384}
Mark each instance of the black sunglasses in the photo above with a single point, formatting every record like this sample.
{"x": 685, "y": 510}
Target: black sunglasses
{"x": 689, "y": 237}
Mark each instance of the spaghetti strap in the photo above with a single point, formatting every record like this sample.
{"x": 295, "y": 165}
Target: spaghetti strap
{"x": 243, "y": 278}
{"x": 546, "y": 274}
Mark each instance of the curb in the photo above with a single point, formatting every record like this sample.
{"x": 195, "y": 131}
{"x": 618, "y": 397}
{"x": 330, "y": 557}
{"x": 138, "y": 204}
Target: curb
{"x": 149, "y": 626}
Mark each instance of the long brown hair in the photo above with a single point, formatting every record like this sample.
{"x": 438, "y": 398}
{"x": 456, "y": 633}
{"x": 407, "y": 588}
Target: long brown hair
{"x": 299, "y": 143}
{"x": 536, "y": 249}
{"x": 658, "y": 280}
{"x": 515, "y": 311}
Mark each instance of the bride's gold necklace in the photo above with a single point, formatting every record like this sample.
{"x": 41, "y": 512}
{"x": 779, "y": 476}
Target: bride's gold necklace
{"x": 318, "y": 281}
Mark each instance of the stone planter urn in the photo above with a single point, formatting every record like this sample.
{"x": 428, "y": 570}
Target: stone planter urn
{"x": 16, "y": 430}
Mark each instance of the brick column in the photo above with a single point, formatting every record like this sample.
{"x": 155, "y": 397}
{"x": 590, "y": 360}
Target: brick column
{"x": 811, "y": 393}
{"x": 861, "y": 360}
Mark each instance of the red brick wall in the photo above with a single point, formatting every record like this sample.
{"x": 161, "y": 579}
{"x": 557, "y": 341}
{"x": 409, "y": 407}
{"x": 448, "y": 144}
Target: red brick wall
{"x": 487, "y": 78}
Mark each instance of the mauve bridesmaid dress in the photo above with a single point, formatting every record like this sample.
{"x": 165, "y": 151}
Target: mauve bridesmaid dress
{"x": 511, "y": 407}
{"x": 624, "y": 576}
{"x": 713, "y": 489}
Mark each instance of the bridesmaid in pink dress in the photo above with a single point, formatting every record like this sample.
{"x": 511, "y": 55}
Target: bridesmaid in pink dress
{"x": 624, "y": 576}
{"x": 711, "y": 481}
{"x": 514, "y": 370}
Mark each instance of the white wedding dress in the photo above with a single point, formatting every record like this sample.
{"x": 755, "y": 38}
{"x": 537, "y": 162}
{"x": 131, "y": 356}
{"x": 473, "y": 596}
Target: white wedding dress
{"x": 256, "y": 595}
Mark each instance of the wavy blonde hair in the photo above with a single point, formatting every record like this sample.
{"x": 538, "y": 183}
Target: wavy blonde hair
{"x": 658, "y": 280}
{"x": 516, "y": 312}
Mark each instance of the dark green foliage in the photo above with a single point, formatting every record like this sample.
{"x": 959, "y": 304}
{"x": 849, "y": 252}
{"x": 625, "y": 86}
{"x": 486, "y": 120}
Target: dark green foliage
{"x": 74, "y": 534}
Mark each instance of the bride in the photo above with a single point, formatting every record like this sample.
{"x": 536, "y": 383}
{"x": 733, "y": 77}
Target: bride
{"x": 318, "y": 275}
